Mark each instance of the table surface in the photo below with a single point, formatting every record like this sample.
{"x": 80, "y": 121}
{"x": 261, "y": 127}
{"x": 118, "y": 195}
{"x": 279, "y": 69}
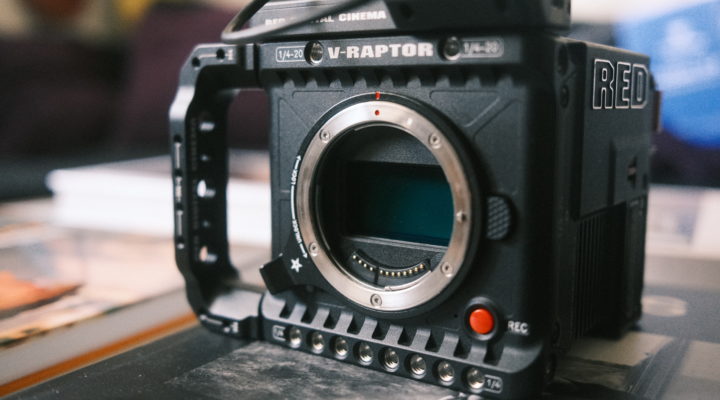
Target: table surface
{"x": 674, "y": 352}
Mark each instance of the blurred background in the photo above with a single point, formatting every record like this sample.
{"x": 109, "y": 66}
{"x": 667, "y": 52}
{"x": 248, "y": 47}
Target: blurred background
{"x": 91, "y": 81}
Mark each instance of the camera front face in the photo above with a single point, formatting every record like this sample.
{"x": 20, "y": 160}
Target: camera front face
{"x": 450, "y": 208}
{"x": 396, "y": 198}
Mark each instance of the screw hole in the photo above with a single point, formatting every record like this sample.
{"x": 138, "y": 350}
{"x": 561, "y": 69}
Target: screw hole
{"x": 364, "y": 353}
{"x": 417, "y": 366}
{"x": 195, "y": 62}
{"x": 204, "y": 190}
{"x": 220, "y": 54}
{"x": 445, "y": 372}
{"x": 205, "y": 256}
{"x": 206, "y": 123}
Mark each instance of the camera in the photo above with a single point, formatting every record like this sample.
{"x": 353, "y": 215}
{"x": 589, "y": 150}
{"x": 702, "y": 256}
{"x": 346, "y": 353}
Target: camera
{"x": 458, "y": 191}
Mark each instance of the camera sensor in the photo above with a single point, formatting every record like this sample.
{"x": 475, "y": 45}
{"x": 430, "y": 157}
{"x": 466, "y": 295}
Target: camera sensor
{"x": 405, "y": 202}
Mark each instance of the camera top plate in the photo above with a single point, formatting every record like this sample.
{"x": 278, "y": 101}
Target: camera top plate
{"x": 417, "y": 16}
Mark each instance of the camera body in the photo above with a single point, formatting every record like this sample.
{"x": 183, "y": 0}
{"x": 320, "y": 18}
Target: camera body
{"x": 454, "y": 198}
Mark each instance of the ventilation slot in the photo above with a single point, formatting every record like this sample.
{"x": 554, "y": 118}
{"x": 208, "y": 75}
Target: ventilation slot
{"x": 331, "y": 321}
{"x": 462, "y": 350}
{"x": 432, "y": 344}
{"x": 405, "y": 338}
{"x": 593, "y": 271}
{"x": 380, "y": 331}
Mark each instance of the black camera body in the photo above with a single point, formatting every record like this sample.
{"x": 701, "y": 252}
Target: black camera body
{"x": 454, "y": 198}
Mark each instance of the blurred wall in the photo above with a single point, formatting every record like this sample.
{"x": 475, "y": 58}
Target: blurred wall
{"x": 610, "y": 11}
{"x": 97, "y": 20}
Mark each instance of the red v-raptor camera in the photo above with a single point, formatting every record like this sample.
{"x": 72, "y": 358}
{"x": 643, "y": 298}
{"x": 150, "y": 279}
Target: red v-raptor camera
{"x": 458, "y": 191}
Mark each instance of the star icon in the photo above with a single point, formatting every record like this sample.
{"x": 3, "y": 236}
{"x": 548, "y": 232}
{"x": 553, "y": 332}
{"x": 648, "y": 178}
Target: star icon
{"x": 295, "y": 264}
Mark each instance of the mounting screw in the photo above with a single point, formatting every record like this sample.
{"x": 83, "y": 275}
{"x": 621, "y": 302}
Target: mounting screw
{"x": 325, "y": 136}
{"x": 451, "y": 48}
{"x": 295, "y": 337}
{"x": 446, "y": 372}
{"x": 447, "y": 269}
{"x": 313, "y": 249}
{"x": 475, "y": 379}
{"x": 314, "y": 52}
{"x": 435, "y": 141}
{"x": 376, "y": 300}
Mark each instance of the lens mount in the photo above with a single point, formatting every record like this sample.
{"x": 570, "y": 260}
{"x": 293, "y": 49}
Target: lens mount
{"x": 390, "y": 298}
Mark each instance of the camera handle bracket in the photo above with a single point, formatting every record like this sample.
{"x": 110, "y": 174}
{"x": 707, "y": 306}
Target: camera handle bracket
{"x": 209, "y": 80}
{"x": 290, "y": 269}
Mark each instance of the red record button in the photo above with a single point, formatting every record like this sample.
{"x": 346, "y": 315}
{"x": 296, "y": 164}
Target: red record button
{"x": 481, "y": 321}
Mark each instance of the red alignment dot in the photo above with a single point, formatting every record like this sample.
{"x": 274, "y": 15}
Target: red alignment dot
{"x": 377, "y": 112}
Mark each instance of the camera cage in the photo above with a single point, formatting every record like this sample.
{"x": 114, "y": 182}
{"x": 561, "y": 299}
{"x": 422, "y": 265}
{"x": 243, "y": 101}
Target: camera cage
{"x": 198, "y": 122}
{"x": 200, "y": 168}
{"x": 211, "y": 78}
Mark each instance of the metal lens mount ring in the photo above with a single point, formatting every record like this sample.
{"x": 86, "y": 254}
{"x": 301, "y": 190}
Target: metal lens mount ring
{"x": 425, "y": 288}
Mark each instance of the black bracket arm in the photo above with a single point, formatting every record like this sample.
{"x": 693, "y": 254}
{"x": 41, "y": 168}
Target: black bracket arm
{"x": 209, "y": 80}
